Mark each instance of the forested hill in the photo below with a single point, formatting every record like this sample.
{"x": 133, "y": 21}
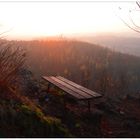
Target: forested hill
{"x": 25, "y": 112}
{"x": 98, "y": 68}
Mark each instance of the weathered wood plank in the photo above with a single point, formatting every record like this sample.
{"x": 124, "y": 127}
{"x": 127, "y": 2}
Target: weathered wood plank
{"x": 76, "y": 90}
{"x": 88, "y": 91}
{"x": 62, "y": 87}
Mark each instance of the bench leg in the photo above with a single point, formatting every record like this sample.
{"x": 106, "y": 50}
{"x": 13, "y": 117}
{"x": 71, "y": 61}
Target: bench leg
{"x": 89, "y": 106}
{"x": 49, "y": 85}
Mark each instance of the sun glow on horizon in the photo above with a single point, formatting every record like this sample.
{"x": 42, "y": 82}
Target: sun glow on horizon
{"x": 47, "y": 19}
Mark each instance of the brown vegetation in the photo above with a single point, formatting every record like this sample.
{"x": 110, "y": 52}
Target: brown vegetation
{"x": 11, "y": 61}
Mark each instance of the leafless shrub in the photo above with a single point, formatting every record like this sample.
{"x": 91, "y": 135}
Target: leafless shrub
{"x": 11, "y": 61}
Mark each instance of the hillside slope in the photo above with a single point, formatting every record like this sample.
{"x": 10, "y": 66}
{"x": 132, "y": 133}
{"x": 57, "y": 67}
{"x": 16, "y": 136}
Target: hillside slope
{"x": 90, "y": 65}
{"x": 21, "y": 118}
{"x": 25, "y": 112}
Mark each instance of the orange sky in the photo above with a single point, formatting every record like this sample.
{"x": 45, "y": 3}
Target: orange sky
{"x": 32, "y": 19}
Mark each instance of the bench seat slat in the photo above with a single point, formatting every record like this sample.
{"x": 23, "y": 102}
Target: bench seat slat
{"x": 88, "y": 91}
{"x": 62, "y": 87}
{"x": 76, "y": 90}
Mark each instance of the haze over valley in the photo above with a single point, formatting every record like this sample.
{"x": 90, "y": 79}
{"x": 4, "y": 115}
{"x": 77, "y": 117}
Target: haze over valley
{"x": 126, "y": 44}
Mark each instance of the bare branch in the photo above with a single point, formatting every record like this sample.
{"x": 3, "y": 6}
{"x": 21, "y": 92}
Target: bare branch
{"x": 11, "y": 61}
{"x": 133, "y": 26}
{"x": 138, "y": 3}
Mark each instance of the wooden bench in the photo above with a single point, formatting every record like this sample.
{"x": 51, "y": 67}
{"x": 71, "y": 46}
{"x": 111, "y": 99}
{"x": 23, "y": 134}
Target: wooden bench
{"x": 74, "y": 90}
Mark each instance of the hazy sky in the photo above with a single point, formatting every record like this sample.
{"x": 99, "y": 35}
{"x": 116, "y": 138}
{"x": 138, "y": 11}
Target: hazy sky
{"x": 32, "y": 19}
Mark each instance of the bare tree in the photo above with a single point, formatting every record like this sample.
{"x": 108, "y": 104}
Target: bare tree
{"x": 12, "y": 58}
{"x": 131, "y": 23}
{"x": 11, "y": 61}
